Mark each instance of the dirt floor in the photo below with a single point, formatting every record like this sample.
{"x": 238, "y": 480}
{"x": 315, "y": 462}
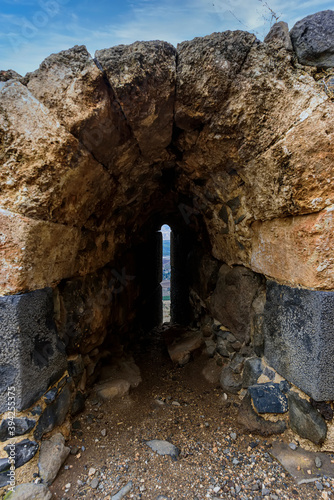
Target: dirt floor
{"x": 217, "y": 459}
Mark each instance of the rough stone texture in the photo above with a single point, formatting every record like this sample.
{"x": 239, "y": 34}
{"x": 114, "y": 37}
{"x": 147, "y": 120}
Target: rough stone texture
{"x": 324, "y": 409}
{"x": 52, "y": 455}
{"x": 70, "y": 84}
{"x": 232, "y": 298}
{"x": 29, "y": 344}
{"x": 252, "y": 370}
{"x": 296, "y": 249}
{"x": 313, "y": 39}
{"x": 267, "y": 398}
{"x": 142, "y": 75}
{"x": 279, "y": 36}
{"x": 24, "y": 451}
{"x": 230, "y": 381}
{"x": 305, "y": 420}
{"x": 299, "y": 335}
{"x": 10, "y": 74}
{"x": 113, "y": 388}
{"x": 181, "y": 349}
{"x": 54, "y": 414}
{"x": 22, "y": 426}
{"x": 46, "y": 173}
{"x": 252, "y": 422}
{"x": 31, "y": 491}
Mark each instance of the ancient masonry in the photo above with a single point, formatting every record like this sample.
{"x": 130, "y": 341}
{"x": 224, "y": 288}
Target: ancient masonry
{"x": 230, "y": 141}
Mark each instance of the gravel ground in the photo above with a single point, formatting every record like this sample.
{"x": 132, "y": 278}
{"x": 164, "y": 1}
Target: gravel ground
{"x": 217, "y": 459}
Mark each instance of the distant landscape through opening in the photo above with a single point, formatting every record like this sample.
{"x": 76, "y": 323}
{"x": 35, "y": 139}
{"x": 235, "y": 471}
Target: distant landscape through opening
{"x": 166, "y": 273}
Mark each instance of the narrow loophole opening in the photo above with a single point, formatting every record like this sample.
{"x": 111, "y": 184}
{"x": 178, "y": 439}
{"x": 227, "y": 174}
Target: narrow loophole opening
{"x": 166, "y": 273}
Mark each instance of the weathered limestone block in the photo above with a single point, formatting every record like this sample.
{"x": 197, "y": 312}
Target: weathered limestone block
{"x": 295, "y": 175}
{"x": 45, "y": 173}
{"x": 206, "y": 68}
{"x": 32, "y": 355}
{"x": 142, "y": 75}
{"x": 296, "y": 250}
{"x": 299, "y": 338}
{"x": 74, "y": 88}
{"x": 232, "y": 298}
{"x": 34, "y": 253}
{"x": 313, "y": 39}
{"x": 279, "y": 36}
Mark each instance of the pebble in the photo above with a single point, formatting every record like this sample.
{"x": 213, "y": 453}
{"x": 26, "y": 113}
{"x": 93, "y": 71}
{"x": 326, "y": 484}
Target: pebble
{"x": 293, "y": 446}
{"x": 318, "y": 462}
{"x": 235, "y": 461}
{"x": 94, "y": 484}
{"x": 319, "y": 485}
{"x": 91, "y": 471}
{"x": 104, "y": 432}
{"x": 67, "y": 486}
{"x": 176, "y": 403}
{"x": 233, "y": 436}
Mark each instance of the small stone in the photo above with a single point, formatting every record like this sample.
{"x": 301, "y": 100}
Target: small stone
{"x": 176, "y": 403}
{"x": 235, "y": 461}
{"x": 163, "y": 448}
{"x": 31, "y": 490}
{"x": 319, "y": 485}
{"x": 267, "y": 398}
{"x": 91, "y": 471}
{"x": 104, "y": 432}
{"x": 95, "y": 482}
{"x": 318, "y": 462}
{"x": 74, "y": 450}
{"x": 265, "y": 492}
{"x": 52, "y": 455}
{"x": 233, "y": 436}
{"x": 293, "y": 446}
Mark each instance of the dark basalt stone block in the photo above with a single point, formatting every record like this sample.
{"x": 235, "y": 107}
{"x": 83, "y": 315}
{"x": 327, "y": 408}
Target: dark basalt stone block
{"x": 4, "y": 479}
{"x": 22, "y": 426}
{"x": 313, "y": 39}
{"x": 4, "y": 464}
{"x": 24, "y": 451}
{"x": 31, "y": 352}
{"x": 252, "y": 371}
{"x": 267, "y": 398}
{"x": 299, "y": 338}
{"x": 305, "y": 420}
{"x": 54, "y": 414}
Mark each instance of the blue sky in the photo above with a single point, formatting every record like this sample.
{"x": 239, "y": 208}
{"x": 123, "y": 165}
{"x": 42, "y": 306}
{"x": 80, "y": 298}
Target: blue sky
{"x": 30, "y": 30}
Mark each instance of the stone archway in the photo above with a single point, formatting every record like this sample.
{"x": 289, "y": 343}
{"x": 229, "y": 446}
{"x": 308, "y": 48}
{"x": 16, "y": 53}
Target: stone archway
{"x": 226, "y": 134}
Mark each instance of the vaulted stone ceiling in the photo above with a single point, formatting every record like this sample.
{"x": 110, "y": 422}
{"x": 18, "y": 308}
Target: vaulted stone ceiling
{"x": 224, "y": 127}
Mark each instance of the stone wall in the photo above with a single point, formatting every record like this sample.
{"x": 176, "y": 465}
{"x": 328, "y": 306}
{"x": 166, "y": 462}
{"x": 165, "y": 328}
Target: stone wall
{"x": 227, "y": 139}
